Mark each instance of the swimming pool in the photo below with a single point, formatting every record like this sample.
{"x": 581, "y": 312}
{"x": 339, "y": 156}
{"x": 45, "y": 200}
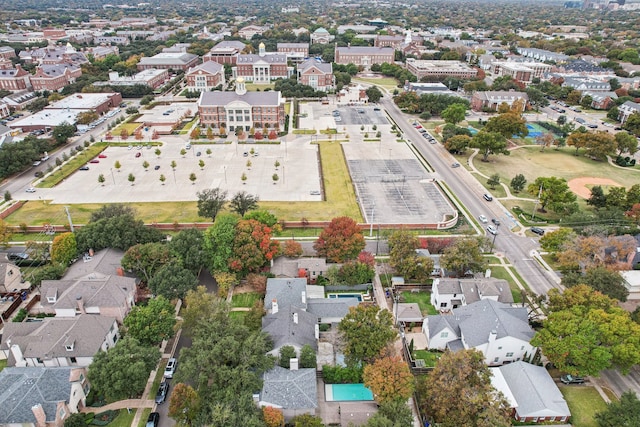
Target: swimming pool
{"x": 347, "y": 392}
{"x": 358, "y": 296}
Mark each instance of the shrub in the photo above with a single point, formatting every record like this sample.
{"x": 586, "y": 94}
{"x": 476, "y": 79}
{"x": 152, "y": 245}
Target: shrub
{"x": 341, "y": 374}
{"x": 324, "y": 327}
{"x": 22, "y": 314}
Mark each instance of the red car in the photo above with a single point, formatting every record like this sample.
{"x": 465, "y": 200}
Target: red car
{"x": 138, "y": 154}
{"x": 94, "y": 161}
{"x": 102, "y": 156}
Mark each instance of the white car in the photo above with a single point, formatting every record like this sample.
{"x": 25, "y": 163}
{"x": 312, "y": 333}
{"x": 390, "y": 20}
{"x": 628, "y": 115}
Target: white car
{"x": 491, "y": 229}
{"x": 30, "y": 190}
{"x": 483, "y": 219}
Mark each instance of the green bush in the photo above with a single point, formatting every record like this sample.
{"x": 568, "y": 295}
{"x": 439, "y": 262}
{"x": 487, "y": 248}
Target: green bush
{"x": 104, "y": 418}
{"x": 324, "y": 327}
{"x": 341, "y": 374}
{"x": 22, "y": 314}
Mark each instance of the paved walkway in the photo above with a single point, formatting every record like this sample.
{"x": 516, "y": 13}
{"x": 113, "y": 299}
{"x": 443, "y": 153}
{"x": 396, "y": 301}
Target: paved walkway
{"x": 121, "y": 404}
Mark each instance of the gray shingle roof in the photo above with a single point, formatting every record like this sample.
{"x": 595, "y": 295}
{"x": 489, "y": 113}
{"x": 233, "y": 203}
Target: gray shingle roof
{"x": 23, "y": 388}
{"x": 325, "y": 307}
{"x": 475, "y": 289}
{"x": 209, "y": 67}
{"x": 218, "y": 98}
{"x": 285, "y": 291}
{"x": 324, "y": 67}
{"x": 106, "y": 261}
{"x": 365, "y": 50}
{"x": 284, "y": 331}
{"x": 534, "y": 390}
{"x": 290, "y": 389}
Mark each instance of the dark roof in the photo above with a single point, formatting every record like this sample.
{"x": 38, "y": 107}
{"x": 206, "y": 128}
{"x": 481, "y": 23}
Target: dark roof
{"x": 218, "y": 98}
{"x": 290, "y": 389}
{"x": 283, "y": 328}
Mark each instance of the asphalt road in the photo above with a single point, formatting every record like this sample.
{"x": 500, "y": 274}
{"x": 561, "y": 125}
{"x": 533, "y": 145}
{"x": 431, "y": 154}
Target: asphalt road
{"x": 516, "y": 248}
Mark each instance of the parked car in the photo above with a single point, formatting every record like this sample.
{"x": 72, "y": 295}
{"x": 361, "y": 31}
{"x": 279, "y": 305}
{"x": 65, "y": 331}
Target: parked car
{"x": 570, "y": 379}
{"x": 495, "y": 221}
{"x": 455, "y": 165}
{"x": 138, "y": 154}
{"x": 163, "y": 390}
{"x": 487, "y": 197}
{"x": 94, "y": 161}
{"x": 83, "y": 168}
{"x": 539, "y": 231}
{"x": 37, "y": 163}
{"x": 170, "y": 369}
{"x": 199, "y": 153}
{"x": 483, "y": 219}
{"x": 102, "y": 156}
{"x": 491, "y": 229}
{"x": 153, "y": 420}
{"x": 156, "y": 167}
{"x": 30, "y": 190}
{"x": 17, "y": 256}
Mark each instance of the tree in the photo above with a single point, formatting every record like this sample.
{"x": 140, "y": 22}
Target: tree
{"x": 131, "y": 178}
{"x": 210, "y": 202}
{"x": 183, "y": 152}
{"x": 252, "y": 247}
{"x": 63, "y": 132}
{"x": 601, "y": 279}
{"x": 76, "y": 420}
{"x": 454, "y": 113}
{"x": 597, "y": 198}
{"x": 292, "y": 249}
{"x": 625, "y": 412}
{"x": 395, "y": 413}
{"x": 184, "y": 404}
{"x": 195, "y": 133}
{"x": 489, "y": 143}
{"x": 553, "y": 241}
{"x": 145, "y": 165}
{"x": 118, "y": 232}
{"x": 457, "y": 144}
{"x": 275, "y": 178}
{"x": 626, "y": 143}
{"x": 287, "y": 352}
{"x": 508, "y": 125}
{"x": 616, "y": 198}
{"x": 243, "y": 178}
{"x": 307, "y": 357}
{"x": 518, "y": 182}
{"x": 152, "y": 323}
{"x": 493, "y": 181}
{"x": 122, "y": 371}
{"x": 144, "y": 260}
{"x": 188, "y": 247}
{"x": 242, "y": 202}
{"x": 340, "y": 241}
{"x": 545, "y": 140}
{"x": 173, "y": 164}
{"x": 632, "y": 124}
{"x": 64, "y": 249}
{"x": 192, "y": 178}
{"x": 552, "y": 192}
{"x": 578, "y": 139}
{"x": 225, "y": 282}
{"x": 101, "y": 179}
{"x": 373, "y": 93}
{"x": 587, "y": 332}
{"x": 404, "y": 259}
{"x": 273, "y": 417}
{"x": 464, "y": 255}
{"x": 463, "y": 373}
{"x": 218, "y": 241}
{"x": 5, "y": 234}
{"x": 366, "y": 330}
{"x": 306, "y": 420}
{"x": 162, "y": 179}
{"x": 355, "y": 273}
{"x": 389, "y": 378}
{"x": 600, "y": 144}
{"x": 201, "y": 164}
{"x": 633, "y": 195}
{"x": 117, "y": 165}
{"x": 172, "y": 281}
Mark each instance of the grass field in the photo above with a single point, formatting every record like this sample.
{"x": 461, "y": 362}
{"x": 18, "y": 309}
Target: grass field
{"x": 430, "y": 357}
{"x": 123, "y": 419}
{"x": 584, "y": 402}
{"x": 245, "y": 300}
{"x": 423, "y": 299}
{"x": 143, "y": 418}
{"x": 532, "y": 163}
{"x": 388, "y": 83}
{"x": 130, "y": 127}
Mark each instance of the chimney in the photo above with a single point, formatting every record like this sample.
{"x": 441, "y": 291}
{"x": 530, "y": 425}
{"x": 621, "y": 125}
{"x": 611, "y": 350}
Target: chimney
{"x": 492, "y": 335}
{"x": 80, "y": 304}
{"x": 304, "y": 297}
{"x": 17, "y": 354}
{"x": 293, "y": 364}
{"x": 41, "y": 417}
{"x": 120, "y": 271}
{"x": 295, "y": 318}
{"x": 274, "y": 306}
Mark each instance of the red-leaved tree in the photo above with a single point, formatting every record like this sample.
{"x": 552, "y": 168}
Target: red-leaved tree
{"x": 273, "y": 417}
{"x": 252, "y": 247}
{"x": 340, "y": 241}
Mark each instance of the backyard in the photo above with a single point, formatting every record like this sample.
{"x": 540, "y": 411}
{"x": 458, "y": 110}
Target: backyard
{"x": 430, "y": 357}
{"x": 245, "y": 300}
{"x": 584, "y": 402}
{"x": 423, "y": 299}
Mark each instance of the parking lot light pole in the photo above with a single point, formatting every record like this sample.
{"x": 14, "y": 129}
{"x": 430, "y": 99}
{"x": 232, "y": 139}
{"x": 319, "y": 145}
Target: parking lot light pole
{"x": 371, "y": 223}
{"x": 113, "y": 177}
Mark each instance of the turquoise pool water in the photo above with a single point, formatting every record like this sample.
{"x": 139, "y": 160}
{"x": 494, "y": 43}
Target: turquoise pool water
{"x": 347, "y": 392}
{"x": 358, "y": 296}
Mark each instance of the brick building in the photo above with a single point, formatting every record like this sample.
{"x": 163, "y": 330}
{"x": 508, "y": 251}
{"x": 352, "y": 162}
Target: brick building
{"x": 225, "y": 52}
{"x": 262, "y": 68}
{"x": 364, "y": 56}
{"x": 295, "y": 52}
{"x": 205, "y": 76}
{"x": 54, "y": 77}
{"x": 318, "y": 75}
{"x": 14, "y": 79}
{"x": 491, "y": 100}
{"x": 428, "y": 68}
{"x": 169, "y": 60}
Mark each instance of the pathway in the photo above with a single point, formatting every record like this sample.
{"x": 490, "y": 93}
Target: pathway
{"x": 121, "y": 404}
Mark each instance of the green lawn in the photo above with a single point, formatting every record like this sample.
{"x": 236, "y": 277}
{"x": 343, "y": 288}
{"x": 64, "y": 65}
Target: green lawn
{"x": 584, "y": 402}
{"x": 143, "y": 418}
{"x": 502, "y": 273}
{"x": 245, "y": 300}
{"x": 422, "y": 299}
{"x": 430, "y": 357}
{"x": 238, "y": 315}
{"x": 3, "y": 364}
{"x": 129, "y": 126}
{"x": 123, "y": 419}
{"x": 388, "y": 83}
{"x": 72, "y": 165}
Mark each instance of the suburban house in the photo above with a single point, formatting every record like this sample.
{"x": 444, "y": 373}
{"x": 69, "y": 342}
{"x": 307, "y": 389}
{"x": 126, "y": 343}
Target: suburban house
{"x": 262, "y": 68}
{"x": 241, "y": 109}
{"x": 632, "y": 283}
{"x": 293, "y": 390}
{"x": 39, "y": 397}
{"x": 450, "y": 293}
{"x": 501, "y": 332}
{"x": 364, "y": 56}
{"x": 531, "y": 392}
{"x": 309, "y": 267}
{"x": 318, "y": 75}
{"x": 437, "y": 270}
{"x": 55, "y": 341}
{"x": 10, "y": 277}
{"x": 492, "y": 100}
{"x": 96, "y": 293}
{"x": 627, "y": 109}
{"x": 601, "y": 100}
{"x": 407, "y": 312}
{"x": 321, "y": 36}
{"x": 205, "y": 77}
{"x": 251, "y": 30}
{"x": 290, "y": 326}
{"x": 331, "y": 310}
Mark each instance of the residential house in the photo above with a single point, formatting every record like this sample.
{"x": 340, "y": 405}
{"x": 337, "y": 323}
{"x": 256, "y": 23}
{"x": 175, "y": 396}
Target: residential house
{"x": 451, "y": 293}
{"x": 627, "y": 109}
{"x": 10, "y": 277}
{"x": 58, "y": 341}
{"x": 531, "y": 392}
{"x": 251, "y": 30}
{"x": 225, "y": 52}
{"x": 631, "y": 281}
{"x": 312, "y": 267}
{"x": 262, "y": 68}
{"x": 243, "y": 109}
{"x": 437, "y": 270}
{"x": 501, "y": 332}
{"x": 407, "y": 313}
{"x": 286, "y": 292}
{"x": 321, "y": 36}
{"x": 331, "y": 310}
{"x": 295, "y": 52}
{"x": 586, "y": 84}
{"x": 205, "y": 77}
{"x": 39, "y": 397}
{"x": 169, "y": 61}
{"x": 294, "y": 390}
{"x": 364, "y": 56}
{"x": 55, "y": 77}
{"x": 290, "y": 326}
{"x": 95, "y": 293}
{"x": 492, "y": 100}
{"x": 438, "y": 68}
{"x": 601, "y": 100}
{"x": 318, "y": 75}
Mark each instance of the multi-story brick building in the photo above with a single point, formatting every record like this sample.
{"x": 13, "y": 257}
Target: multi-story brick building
{"x": 364, "y": 56}
{"x": 251, "y": 30}
{"x": 169, "y": 60}
{"x": 389, "y": 41}
{"x": 225, "y": 52}
{"x": 205, "y": 76}
{"x": 492, "y": 100}
{"x": 241, "y": 109}
{"x": 262, "y": 68}
{"x": 54, "y": 77}
{"x": 152, "y": 77}
{"x": 524, "y": 72}
{"x": 14, "y": 79}
{"x": 7, "y": 52}
{"x": 318, "y": 75}
{"x": 295, "y": 52}
{"x": 426, "y": 68}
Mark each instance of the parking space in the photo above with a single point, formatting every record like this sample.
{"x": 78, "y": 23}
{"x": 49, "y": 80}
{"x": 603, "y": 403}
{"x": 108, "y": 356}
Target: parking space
{"x": 362, "y": 115}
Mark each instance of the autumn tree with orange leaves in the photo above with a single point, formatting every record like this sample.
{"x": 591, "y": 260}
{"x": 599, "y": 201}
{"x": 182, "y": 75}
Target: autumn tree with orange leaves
{"x": 340, "y": 241}
{"x": 389, "y": 378}
{"x": 183, "y": 404}
{"x": 273, "y": 417}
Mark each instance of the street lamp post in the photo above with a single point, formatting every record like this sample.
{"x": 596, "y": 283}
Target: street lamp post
{"x": 493, "y": 242}
{"x": 113, "y": 177}
{"x": 371, "y": 222}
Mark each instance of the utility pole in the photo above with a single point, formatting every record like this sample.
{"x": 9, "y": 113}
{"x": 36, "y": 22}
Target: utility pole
{"x": 66, "y": 208}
